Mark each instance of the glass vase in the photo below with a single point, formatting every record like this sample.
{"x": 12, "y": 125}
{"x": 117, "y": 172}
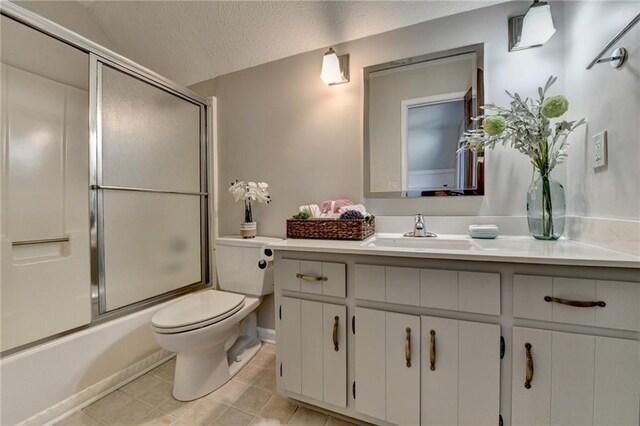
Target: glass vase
{"x": 248, "y": 228}
{"x": 546, "y": 208}
{"x": 248, "y": 214}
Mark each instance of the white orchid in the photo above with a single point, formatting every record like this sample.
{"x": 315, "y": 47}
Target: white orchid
{"x": 250, "y": 191}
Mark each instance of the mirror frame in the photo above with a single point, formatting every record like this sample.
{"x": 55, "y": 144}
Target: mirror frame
{"x": 478, "y": 49}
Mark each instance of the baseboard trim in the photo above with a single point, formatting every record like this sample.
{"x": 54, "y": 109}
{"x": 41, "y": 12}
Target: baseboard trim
{"x": 93, "y": 393}
{"x": 267, "y": 335}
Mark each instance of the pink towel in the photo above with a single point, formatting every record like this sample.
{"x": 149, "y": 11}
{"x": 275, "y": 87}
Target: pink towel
{"x": 333, "y": 206}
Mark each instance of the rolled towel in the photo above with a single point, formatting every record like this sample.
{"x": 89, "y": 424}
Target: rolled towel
{"x": 315, "y": 210}
{"x": 357, "y": 207}
{"x": 333, "y": 206}
{"x": 312, "y": 209}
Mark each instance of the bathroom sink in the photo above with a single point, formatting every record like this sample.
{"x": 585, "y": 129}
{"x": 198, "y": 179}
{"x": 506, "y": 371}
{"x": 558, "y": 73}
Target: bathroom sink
{"x": 437, "y": 243}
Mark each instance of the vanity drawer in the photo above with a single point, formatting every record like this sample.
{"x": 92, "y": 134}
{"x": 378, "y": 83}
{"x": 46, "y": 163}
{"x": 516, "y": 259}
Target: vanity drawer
{"x": 477, "y": 292}
{"x": 306, "y": 276}
{"x": 555, "y": 299}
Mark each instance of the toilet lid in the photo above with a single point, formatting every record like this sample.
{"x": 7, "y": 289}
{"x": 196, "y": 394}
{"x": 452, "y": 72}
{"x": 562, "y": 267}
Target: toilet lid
{"x": 196, "y": 309}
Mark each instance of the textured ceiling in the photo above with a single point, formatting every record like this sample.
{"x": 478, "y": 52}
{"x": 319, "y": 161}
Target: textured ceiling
{"x": 192, "y": 41}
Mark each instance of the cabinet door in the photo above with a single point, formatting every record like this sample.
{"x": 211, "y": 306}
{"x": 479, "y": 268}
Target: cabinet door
{"x": 388, "y": 366}
{"x": 334, "y": 360}
{"x": 460, "y": 372}
{"x": 577, "y": 379}
{"x": 311, "y": 365}
{"x": 531, "y": 404}
{"x": 371, "y": 363}
{"x": 440, "y": 381}
{"x": 311, "y": 332}
{"x": 403, "y": 368}
{"x": 479, "y": 373}
{"x": 289, "y": 345}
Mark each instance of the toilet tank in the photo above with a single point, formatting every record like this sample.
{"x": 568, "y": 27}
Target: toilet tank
{"x": 237, "y": 265}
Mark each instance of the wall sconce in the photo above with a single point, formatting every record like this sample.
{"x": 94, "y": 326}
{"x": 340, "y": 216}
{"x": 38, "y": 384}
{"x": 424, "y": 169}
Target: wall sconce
{"x": 335, "y": 69}
{"x": 533, "y": 29}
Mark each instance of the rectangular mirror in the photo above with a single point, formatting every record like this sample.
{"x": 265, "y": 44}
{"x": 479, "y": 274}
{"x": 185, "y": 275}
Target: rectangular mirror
{"x": 415, "y": 111}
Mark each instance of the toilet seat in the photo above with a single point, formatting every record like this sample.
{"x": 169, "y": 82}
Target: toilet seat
{"x": 196, "y": 311}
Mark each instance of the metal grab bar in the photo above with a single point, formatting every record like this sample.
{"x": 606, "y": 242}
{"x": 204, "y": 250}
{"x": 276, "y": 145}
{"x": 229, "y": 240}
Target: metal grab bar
{"x": 613, "y": 41}
{"x": 156, "y": 191}
{"x": 43, "y": 241}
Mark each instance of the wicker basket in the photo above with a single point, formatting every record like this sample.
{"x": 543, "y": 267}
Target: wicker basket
{"x": 331, "y": 229}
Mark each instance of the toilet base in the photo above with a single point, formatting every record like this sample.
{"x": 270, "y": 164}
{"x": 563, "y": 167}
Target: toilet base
{"x": 200, "y": 373}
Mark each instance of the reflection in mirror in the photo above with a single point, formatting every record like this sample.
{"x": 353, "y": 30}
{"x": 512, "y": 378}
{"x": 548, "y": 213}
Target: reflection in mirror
{"x": 416, "y": 110}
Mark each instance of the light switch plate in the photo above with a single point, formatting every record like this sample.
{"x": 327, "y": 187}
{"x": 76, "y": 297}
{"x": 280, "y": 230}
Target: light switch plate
{"x": 600, "y": 150}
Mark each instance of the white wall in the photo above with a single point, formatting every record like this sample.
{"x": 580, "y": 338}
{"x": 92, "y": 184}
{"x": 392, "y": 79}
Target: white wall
{"x": 279, "y": 123}
{"x": 610, "y": 100}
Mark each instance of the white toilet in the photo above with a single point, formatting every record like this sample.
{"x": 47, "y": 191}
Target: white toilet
{"x": 214, "y": 332}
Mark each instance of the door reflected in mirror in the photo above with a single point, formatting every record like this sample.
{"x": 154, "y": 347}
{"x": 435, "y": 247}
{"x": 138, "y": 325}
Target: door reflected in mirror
{"x": 416, "y": 111}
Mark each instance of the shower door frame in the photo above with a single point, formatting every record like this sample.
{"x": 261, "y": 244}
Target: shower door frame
{"x": 102, "y": 54}
{"x": 98, "y": 282}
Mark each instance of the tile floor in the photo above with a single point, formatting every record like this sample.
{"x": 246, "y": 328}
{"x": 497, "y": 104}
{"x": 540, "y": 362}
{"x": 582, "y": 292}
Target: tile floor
{"x": 248, "y": 399}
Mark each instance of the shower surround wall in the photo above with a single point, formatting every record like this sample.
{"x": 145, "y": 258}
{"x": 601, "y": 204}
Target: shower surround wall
{"x": 47, "y": 113}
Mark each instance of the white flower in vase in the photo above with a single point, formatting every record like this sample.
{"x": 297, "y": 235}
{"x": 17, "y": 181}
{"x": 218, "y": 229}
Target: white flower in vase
{"x": 248, "y": 192}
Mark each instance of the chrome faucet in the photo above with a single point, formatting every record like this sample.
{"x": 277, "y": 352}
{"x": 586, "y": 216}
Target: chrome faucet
{"x": 419, "y": 229}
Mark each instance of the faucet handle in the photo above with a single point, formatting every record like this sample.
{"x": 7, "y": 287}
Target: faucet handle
{"x": 418, "y": 217}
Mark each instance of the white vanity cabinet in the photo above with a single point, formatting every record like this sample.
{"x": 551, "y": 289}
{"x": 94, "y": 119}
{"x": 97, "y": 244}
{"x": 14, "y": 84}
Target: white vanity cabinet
{"x": 574, "y": 379}
{"x": 442, "y": 341}
{"x": 313, "y": 347}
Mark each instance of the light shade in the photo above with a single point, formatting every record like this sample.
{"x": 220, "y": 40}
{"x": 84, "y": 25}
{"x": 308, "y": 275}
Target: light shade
{"x": 334, "y": 69}
{"x": 537, "y": 26}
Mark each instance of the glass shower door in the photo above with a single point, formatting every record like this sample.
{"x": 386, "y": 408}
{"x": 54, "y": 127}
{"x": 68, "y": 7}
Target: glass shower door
{"x": 149, "y": 189}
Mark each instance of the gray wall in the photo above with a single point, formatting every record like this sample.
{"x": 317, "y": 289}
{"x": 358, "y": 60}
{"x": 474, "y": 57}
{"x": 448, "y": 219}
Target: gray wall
{"x": 279, "y": 123}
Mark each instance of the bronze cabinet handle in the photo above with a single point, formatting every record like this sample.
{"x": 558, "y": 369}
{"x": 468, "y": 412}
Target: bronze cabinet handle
{"x": 311, "y": 278}
{"x": 432, "y": 350}
{"x": 335, "y": 333}
{"x": 527, "y": 382}
{"x": 407, "y": 347}
{"x": 575, "y": 303}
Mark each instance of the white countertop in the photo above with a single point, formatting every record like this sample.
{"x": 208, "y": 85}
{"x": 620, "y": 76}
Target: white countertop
{"x": 502, "y": 249}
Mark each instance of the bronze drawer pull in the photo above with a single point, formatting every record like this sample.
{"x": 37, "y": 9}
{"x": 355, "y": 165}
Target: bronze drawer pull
{"x": 432, "y": 350}
{"x": 335, "y": 333}
{"x": 311, "y": 278}
{"x": 575, "y": 303}
{"x": 407, "y": 347}
{"x": 527, "y": 382}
